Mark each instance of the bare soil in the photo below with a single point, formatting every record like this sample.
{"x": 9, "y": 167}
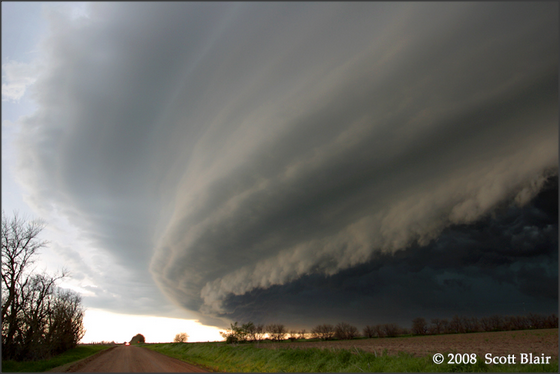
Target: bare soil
{"x": 131, "y": 359}
{"x": 500, "y": 343}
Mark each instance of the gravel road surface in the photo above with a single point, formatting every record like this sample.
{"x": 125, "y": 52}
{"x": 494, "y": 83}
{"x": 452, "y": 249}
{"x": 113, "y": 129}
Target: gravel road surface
{"x": 131, "y": 359}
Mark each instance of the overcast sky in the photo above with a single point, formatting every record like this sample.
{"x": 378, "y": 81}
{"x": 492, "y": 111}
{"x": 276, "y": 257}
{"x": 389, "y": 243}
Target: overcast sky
{"x": 298, "y": 162}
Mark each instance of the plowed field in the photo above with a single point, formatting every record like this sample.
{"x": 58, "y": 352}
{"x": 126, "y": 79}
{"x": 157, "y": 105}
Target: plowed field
{"x": 497, "y": 343}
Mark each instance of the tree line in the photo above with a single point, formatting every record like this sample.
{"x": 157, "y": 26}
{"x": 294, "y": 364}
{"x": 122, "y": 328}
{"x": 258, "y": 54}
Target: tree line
{"x": 463, "y": 324}
{"x": 249, "y": 332}
{"x": 39, "y": 319}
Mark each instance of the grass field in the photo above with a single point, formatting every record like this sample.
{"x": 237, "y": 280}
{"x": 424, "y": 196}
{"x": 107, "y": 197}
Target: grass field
{"x": 290, "y": 358}
{"x": 358, "y": 355}
{"x": 75, "y": 354}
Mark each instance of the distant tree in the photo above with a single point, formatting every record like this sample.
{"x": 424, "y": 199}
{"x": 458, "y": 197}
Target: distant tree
{"x": 138, "y": 338}
{"x": 344, "y": 330}
{"x": 302, "y": 334}
{"x": 444, "y": 326}
{"x": 470, "y": 324}
{"x": 536, "y": 321}
{"x": 510, "y": 323}
{"x": 520, "y": 323}
{"x": 455, "y": 325}
{"x": 323, "y": 332}
{"x": 182, "y": 337}
{"x": 243, "y": 332}
{"x": 485, "y": 324}
{"x": 259, "y": 332}
{"x": 379, "y": 330}
{"x": 552, "y": 321}
{"x": 246, "y": 332}
{"x": 438, "y": 326}
{"x": 391, "y": 329}
{"x": 250, "y": 330}
{"x": 419, "y": 326}
{"x": 292, "y": 335}
{"x": 229, "y": 337}
{"x": 276, "y": 331}
{"x": 463, "y": 324}
{"x": 369, "y": 332}
{"x": 232, "y": 334}
{"x": 496, "y": 322}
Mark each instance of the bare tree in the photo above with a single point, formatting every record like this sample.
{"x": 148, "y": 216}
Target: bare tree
{"x": 344, "y": 330}
{"x": 444, "y": 326}
{"x": 253, "y": 332}
{"x": 419, "y": 326}
{"x": 379, "y": 330}
{"x": 181, "y": 337}
{"x": 36, "y": 301}
{"x": 391, "y": 329}
{"x": 38, "y": 318}
{"x": 516, "y": 322}
{"x": 455, "y": 325}
{"x": 276, "y": 331}
{"x": 292, "y": 335}
{"x": 552, "y": 321}
{"x": 259, "y": 332}
{"x": 65, "y": 321}
{"x": 369, "y": 332}
{"x": 485, "y": 324}
{"x": 496, "y": 322}
{"x": 302, "y": 334}
{"x": 20, "y": 243}
{"x": 438, "y": 326}
{"x": 469, "y": 324}
{"x": 324, "y": 331}
{"x": 536, "y": 321}
{"x": 250, "y": 330}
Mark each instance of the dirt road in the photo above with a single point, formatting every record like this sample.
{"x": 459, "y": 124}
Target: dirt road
{"x": 131, "y": 359}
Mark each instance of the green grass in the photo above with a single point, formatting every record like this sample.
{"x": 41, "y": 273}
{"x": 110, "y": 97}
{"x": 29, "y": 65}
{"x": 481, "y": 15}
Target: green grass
{"x": 249, "y": 358}
{"x": 74, "y": 354}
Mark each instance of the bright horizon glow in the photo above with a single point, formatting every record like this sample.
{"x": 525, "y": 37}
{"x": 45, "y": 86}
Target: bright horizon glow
{"x": 106, "y": 326}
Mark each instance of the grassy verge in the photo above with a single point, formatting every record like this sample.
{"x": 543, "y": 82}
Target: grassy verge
{"x": 249, "y": 358}
{"x": 74, "y": 354}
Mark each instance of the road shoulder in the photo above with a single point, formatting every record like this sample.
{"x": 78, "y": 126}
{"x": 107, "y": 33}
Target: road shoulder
{"x": 73, "y": 366}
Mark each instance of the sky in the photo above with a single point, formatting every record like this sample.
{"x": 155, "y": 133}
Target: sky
{"x": 295, "y": 163}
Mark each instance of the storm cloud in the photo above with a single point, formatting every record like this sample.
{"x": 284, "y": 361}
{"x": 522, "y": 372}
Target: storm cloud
{"x": 235, "y": 151}
{"x": 506, "y": 263}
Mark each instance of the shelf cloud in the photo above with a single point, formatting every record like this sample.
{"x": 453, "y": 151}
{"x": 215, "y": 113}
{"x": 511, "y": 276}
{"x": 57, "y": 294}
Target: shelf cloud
{"x": 234, "y": 151}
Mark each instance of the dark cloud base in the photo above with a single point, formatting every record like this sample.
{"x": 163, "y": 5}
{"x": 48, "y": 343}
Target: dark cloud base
{"x": 506, "y": 263}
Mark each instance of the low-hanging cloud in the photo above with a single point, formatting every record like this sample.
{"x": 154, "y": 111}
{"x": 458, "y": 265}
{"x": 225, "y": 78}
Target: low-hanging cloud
{"x": 237, "y": 147}
{"x": 506, "y": 263}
